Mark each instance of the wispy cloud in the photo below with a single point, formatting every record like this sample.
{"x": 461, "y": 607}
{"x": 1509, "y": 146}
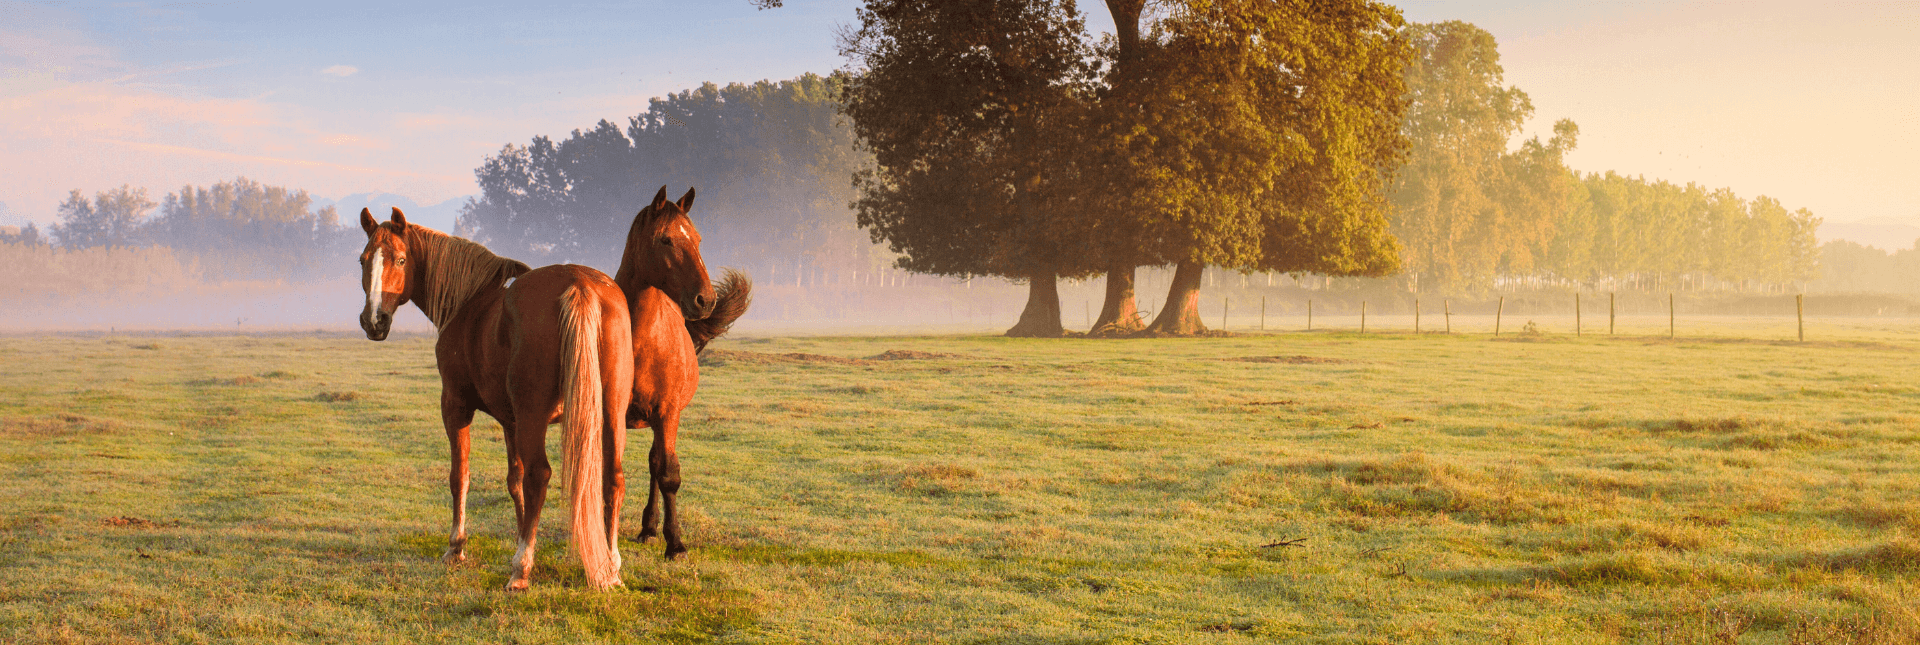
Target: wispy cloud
{"x": 341, "y": 71}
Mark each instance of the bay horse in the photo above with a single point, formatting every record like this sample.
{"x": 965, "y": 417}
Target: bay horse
{"x": 675, "y": 312}
{"x": 553, "y": 346}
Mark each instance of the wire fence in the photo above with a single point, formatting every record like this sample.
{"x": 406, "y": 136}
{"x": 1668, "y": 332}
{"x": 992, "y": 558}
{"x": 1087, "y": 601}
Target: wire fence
{"x": 1588, "y": 316}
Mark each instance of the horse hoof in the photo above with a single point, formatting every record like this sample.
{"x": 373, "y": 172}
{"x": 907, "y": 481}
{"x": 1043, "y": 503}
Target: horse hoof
{"x": 453, "y": 557}
{"x": 518, "y": 585}
{"x": 674, "y": 552}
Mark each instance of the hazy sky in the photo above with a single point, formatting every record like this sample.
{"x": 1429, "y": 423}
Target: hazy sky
{"x": 1819, "y": 107}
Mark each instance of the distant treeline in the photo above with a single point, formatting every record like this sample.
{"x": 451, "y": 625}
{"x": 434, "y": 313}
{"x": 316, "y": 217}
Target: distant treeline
{"x": 1848, "y": 267}
{"x": 238, "y": 230}
{"x": 771, "y": 162}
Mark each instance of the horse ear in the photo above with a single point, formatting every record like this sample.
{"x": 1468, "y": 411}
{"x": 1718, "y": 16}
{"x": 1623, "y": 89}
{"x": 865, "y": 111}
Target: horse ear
{"x": 366, "y": 222}
{"x": 399, "y": 217}
{"x": 659, "y": 199}
{"x": 686, "y": 201}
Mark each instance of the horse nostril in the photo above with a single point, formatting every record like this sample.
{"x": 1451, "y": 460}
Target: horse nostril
{"x": 700, "y": 301}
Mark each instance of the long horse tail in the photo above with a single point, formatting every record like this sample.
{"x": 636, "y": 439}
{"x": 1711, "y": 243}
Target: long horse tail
{"x": 731, "y": 297}
{"x": 583, "y": 420}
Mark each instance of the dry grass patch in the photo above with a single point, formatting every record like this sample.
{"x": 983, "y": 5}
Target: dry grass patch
{"x": 1899, "y": 556}
{"x": 1413, "y": 486}
{"x": 1882, "y": 515}
{"x": 63, "y": 424}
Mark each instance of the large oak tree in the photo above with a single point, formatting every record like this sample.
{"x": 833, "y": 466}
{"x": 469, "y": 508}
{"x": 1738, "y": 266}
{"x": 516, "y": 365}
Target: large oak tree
{"x": 972, "y": 110}
{"x": 1257, "y": 135}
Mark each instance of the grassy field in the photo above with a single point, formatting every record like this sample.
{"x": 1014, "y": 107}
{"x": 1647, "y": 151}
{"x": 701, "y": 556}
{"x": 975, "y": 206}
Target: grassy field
{"x": 1303, "y": 487}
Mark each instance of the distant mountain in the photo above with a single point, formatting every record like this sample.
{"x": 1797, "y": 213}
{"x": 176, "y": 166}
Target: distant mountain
{"x": 438, "y": 216}
{"x": 1884, "y": 233}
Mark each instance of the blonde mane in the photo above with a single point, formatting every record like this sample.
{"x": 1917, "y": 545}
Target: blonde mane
{"x": 455, "y": 271}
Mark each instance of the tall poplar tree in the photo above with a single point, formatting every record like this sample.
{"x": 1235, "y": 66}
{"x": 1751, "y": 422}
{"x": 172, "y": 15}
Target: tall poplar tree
{"x": 1448, "y": 207}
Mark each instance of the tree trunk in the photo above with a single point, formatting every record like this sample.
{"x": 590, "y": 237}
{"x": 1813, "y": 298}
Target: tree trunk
{"x": 1119, "y": 315}
{"x": 1180, "y": 316}
{"x": 1041, "y": 319}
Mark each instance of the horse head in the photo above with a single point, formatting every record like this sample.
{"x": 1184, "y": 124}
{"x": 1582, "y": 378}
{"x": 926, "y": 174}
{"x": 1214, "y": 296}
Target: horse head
{"x": 663, "y": 252}
{"x": 384, "y": 273}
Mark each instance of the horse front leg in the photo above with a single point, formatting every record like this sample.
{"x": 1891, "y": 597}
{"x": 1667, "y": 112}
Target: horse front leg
{"x": 665, "y": 466}
{"x": 649, "y": 514}
{"x": 458, "y": 418}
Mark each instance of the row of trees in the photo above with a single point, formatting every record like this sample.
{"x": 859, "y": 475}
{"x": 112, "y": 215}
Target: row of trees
{"x": 1470, "y": 212}
{"x": 999, "y": 138}
{"x": 240, "y": 229}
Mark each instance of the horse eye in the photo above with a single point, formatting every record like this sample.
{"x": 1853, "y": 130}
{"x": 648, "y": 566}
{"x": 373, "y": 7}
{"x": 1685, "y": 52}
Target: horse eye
{"x": 402, "y": 261}
{"x": 666, "y": 241}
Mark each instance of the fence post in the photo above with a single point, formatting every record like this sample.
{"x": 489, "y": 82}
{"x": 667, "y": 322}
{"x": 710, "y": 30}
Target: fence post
{"x": 1497, "y": 313}
{"x": 1669, "y": 315}
{"x": 1800, "y": 314}
{"x": 1263, "y": 306}
{"x": 1309, "y": 314}
{"x": 1225, "y": 304}
{"x": 1610, "y": 295}
{"x": 1416, "y": 316}
{"x": 1576, "y": 315}
{"x": 1446, "y": 307}
{"x": 1363, "y": 316}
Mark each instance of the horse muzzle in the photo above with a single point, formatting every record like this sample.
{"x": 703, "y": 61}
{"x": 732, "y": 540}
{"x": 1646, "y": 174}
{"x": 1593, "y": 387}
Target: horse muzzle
{"x": 377, "y": 326}
{"x": 697, "y": 307}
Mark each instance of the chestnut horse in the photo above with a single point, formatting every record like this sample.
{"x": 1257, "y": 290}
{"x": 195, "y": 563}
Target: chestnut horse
{"x": 553, "y": 346}
{"x": 675, "y": 311}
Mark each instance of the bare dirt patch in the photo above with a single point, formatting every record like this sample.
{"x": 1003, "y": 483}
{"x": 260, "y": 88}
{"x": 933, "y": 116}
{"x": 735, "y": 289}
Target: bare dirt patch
{"x": 131, "y": 522}
{"x": 237, "y": 380}
{"x": 909, "y": 355}
{"x": 54, "y": 426}
{"x": 1292, "y": 360}
{"x": 721, "y": 357}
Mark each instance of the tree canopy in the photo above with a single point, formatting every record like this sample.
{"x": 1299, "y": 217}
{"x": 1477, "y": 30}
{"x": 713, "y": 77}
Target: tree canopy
{"x": 1240, "y": 133}
{"x": 111, "y": 219}
{"x": 970, "y": 110}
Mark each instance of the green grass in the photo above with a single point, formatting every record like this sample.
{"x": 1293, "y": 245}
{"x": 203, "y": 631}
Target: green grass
{"x": 1317, "y": 488}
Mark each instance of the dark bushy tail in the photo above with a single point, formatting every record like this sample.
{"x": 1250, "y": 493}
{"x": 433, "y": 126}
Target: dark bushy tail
{"x": 732, "y": 294}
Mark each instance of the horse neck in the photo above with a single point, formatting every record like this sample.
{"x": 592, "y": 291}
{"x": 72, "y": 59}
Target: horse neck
{"x": 451, "y": 275}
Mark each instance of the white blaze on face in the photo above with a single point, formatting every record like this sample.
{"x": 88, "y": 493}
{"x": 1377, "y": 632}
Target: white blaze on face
{"x": 683, "y": 232}
{"x": 376, "y": 270}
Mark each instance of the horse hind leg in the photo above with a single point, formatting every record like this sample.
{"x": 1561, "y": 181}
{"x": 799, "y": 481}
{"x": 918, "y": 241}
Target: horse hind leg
{"x": 527, "y": 475}
{"x": 614, "y": 444}
{"x": 459, "y": 423}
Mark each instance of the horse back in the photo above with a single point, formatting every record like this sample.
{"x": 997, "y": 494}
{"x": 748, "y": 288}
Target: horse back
{"x": 516, "y": 331}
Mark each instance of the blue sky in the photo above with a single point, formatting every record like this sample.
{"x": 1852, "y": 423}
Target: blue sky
{"x": 1817, "y": 106}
